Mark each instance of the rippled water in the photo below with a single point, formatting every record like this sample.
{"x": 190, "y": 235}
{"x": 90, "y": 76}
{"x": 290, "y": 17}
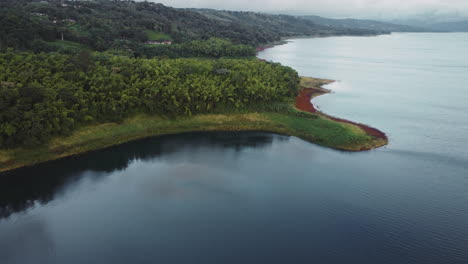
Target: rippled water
{"x": 263, "y": 198}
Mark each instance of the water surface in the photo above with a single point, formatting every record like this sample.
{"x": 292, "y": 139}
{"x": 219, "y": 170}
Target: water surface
{"x": 264, "y": 198}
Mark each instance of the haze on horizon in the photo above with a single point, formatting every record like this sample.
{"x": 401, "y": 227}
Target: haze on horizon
{"x": 374, "y": 9}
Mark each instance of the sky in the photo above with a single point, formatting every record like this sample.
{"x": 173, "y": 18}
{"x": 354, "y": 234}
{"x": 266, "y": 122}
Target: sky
{"x": 383, "y": 9}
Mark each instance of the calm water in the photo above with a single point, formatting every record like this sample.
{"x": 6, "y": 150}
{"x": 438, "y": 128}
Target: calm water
{"x": 263, "y": 198}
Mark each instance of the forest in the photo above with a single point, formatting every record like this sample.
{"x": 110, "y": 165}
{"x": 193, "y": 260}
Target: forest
{"x": 67, "y": 64}
{"x": 100, "y": 25}
{"x": 50, "y": 94}
{"x": 210, "y": 48}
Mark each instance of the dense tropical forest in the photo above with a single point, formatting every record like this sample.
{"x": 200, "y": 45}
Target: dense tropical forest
{"x": 210, "y": 48}
{"x": 45, "y": 95}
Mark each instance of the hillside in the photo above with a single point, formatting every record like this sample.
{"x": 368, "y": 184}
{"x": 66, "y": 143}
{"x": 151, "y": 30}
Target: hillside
{"x": 363, "y": 24}
{"x": 104, "y": 24}
{"x": 283, "y": 25}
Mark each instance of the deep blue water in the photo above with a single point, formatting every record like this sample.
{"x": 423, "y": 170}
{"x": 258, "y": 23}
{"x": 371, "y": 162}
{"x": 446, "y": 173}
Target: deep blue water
{"x": 263, "y": 198}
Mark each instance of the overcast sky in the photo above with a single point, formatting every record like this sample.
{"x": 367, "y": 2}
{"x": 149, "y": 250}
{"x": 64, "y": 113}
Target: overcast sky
{"x": 386, "y": 9}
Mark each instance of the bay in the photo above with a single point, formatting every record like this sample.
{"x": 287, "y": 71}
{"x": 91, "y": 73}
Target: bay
{"x": 264, "y": 198}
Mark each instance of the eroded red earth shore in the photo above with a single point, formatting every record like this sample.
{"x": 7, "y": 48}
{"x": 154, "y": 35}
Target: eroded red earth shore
{"x": 303, "y": 102}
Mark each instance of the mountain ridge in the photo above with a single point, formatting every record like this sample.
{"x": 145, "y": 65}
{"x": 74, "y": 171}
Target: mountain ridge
{"x": 367, "y": 24}
{"x": 104, "y": 24}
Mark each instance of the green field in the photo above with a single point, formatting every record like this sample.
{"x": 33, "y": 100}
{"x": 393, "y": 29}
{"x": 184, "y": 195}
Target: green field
{"x": 79, "y": 30}
{"x": 66, "y": 45}
{"x": 157, "y": 36}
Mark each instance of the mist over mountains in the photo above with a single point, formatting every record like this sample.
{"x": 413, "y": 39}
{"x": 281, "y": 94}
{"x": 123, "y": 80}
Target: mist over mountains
{"x": 420, "y": 15}
{"x": 452, "y": 22}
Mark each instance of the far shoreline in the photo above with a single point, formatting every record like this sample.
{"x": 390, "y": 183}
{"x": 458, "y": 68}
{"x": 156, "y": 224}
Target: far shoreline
{"x": 286, "y": 40}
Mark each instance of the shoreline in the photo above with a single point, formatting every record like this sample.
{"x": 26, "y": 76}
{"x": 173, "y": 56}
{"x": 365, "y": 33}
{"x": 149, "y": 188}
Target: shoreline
{"x": 269, "y": 46}
{"x": 297, "y": 118}
{"x": 313, "y": 88}
{"x": 286, "y": 40}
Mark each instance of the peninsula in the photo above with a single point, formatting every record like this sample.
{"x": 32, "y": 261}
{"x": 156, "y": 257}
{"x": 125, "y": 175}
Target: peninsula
{"x": 299, "y": 119}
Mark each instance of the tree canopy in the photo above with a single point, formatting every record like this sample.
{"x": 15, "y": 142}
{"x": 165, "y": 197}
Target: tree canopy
{"x": 49, "y": 94}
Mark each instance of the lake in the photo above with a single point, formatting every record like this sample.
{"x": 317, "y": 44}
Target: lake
{"x": 264, "y": 198}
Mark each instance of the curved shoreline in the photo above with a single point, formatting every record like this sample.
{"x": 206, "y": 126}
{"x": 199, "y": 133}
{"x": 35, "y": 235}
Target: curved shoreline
{"x": 312, "y": 88}
{"x": 297, "y": 118}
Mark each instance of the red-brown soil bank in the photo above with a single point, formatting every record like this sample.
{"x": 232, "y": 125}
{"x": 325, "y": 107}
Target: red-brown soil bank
{"x": 312, "y": 89}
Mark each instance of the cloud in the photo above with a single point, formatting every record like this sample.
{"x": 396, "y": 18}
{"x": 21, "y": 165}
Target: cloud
{"x": 336, "y": 8}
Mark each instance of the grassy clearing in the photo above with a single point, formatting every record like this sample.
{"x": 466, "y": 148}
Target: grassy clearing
{"x": 323, "y": 131}
{"x": 310, "y": 127}
{"x": 80, "y": 30}
{"x": 68, "y": 45}
{"x": 157, "y": 36}
{"x": 315, "y": 83}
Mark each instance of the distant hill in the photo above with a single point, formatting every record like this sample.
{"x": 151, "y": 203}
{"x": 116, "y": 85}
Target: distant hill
{"x": 451, "y": 22}
{"x": 459, "y": 26}
{"x": 100, "y": 25}
{"x": 364, "y": 24}
{"x": 284, "y": 25}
